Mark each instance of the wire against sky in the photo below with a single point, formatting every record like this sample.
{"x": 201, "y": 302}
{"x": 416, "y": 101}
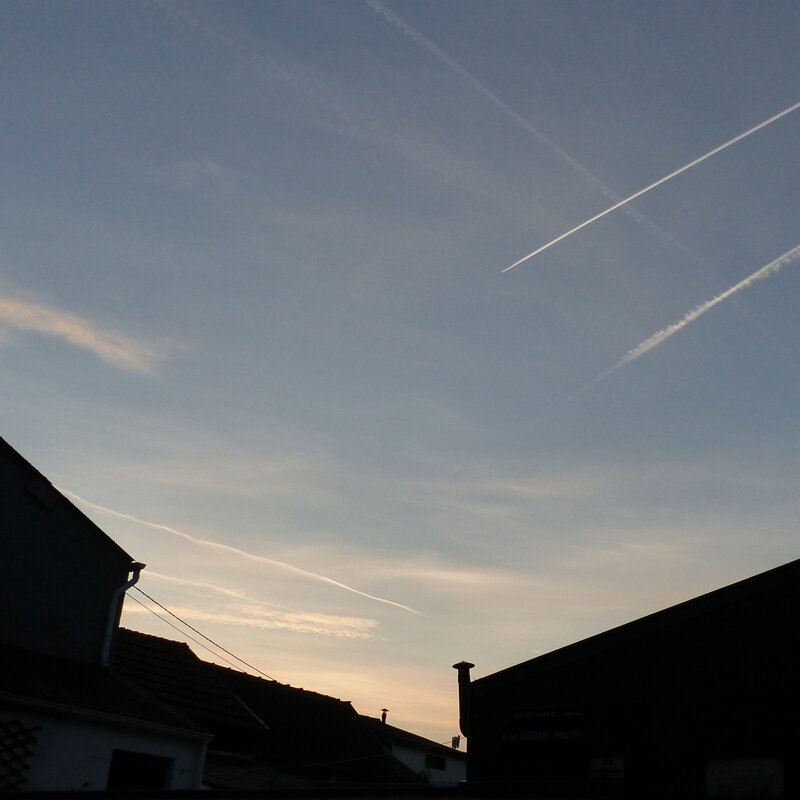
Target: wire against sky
{"x": 662, "y": 335}
{"x": 181, "y": 632}
{"x": 236, "y": 551}
{"x": 200, "y": 633}
{"x": 652, "y": 186}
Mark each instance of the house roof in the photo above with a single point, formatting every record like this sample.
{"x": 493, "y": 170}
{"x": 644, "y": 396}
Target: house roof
{"x": 43, "y": 489}
{"x": 669, "y": 619}
{"x": 173, "y": 673}
{"x": 389, "y": 734}
{"x": 308, "y": 730}
{"x": 259, "y": 725}
{"x": 32, "y": 676}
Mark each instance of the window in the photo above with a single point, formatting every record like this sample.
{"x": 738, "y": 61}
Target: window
{"x": 131, "y": 770}
{"x": 434, "y": 762}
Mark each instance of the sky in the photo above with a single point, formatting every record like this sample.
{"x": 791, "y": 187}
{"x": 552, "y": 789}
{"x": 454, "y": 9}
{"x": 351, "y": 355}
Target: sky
{"x": 254, "y": 320}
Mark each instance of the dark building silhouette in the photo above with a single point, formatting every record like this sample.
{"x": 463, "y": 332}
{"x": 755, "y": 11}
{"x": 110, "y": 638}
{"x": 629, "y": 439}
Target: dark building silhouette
{"x": 698, "y": 700}
{"x": 312, "y": 738}
{"x": 266, "y": 734}
{"x": 58, "y": 569}
{"x": 67, "y": 722}
{"x": 442, "y": 765}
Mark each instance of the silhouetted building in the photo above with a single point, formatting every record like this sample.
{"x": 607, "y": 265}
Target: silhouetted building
{"x": 439, "y": 764}
{"x": 61, "y": 577}
{"x": 69, "y": 726}
{"x": 66, "y": 723}
{"x": 266, "y": 735}
{"x": 312, "y": 738}
{"x": 698, "y": 700}
{"x": 171, "y": 672}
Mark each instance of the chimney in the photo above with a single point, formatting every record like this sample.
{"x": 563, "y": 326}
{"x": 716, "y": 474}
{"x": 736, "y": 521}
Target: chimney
{"x": 463, "y": 668}
{"x": 384, "y": 712}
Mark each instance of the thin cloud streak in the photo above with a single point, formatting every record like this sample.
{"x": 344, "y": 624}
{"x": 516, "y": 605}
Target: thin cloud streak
{"x": 662, "y": 335}
{"x": 235, "y": 551}
{"x": 253, "y": 617}
{"x": 673, "y": 174}
{"x": 271, "y": 615}
{"x": 113, "y": 348}
{"x": 437, "y": 52}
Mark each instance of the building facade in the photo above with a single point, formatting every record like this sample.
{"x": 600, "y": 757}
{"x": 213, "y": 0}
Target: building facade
{"x": 698, "y": 700}
{"x": 66, "y": 722}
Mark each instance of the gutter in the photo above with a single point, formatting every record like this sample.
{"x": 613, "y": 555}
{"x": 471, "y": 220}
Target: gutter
{"x": 114, "y": 608}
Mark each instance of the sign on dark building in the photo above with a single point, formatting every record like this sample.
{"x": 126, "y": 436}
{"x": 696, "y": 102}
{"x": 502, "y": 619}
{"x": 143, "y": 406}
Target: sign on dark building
{"x": 547, "y": 731}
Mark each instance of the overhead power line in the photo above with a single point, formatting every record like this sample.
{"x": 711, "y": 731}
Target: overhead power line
{"x": 199, "y": 633}
{"x": 181, "y": 632}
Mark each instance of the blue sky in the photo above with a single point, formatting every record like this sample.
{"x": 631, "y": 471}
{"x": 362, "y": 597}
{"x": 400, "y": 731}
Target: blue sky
{"x": 251, "y": 292}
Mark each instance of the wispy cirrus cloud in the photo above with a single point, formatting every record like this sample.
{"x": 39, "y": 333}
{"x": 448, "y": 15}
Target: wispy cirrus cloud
{"x": 231, "y": 607}
{"x": 114, "y": 348}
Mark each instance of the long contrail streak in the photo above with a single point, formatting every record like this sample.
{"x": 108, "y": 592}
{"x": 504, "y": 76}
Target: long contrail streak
{"x": 652, "y": 186}
{"x": 235, "y": 551}
{"x": 437, "y": 52}
{"x": 591, "y": 179}
{"x": 662, "y": 335}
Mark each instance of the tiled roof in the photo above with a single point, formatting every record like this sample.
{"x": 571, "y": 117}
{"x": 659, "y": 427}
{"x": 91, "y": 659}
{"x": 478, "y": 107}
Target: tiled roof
{"x": 174, "y": 674}
{"x": 261, "y": 725}
{"x": 309, "y": 731}
{"x": 30, "y": 676}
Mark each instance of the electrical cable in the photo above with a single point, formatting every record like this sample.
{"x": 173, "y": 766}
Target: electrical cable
{"x": 199, "y": 633}
{"x": 217, "y": 655}
{"x": 182, "y": 633}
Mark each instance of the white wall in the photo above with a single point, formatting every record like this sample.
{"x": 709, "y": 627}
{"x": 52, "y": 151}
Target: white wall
{"x": 455, "y": 768}
{"x": 73, "y": 751}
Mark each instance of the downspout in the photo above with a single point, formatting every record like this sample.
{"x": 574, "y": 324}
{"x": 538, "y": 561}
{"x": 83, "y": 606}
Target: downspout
{"x": 463, "y": 668}
{"x": 136, "y": 568}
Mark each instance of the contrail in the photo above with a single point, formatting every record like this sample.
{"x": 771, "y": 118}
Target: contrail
{"x": 652, "y": 186}
{"x": 235, "y": 551}
{"x": 576, "y": 166}
{"x": 662, "y": 335}
{"x": 437, "y": 52}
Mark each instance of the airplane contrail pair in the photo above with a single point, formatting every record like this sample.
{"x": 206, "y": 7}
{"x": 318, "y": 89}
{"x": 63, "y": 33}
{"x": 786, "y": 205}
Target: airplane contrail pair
{"x": 235, "y": 551}
{"x": 436, "y": 51}
{"x": 659, "y": 182}
{"x": 660, "y": 336}
{"x": 664, "y": 333}
{"x": 618, "y": 202}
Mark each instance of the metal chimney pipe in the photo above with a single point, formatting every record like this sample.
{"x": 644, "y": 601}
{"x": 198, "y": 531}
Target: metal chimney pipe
{"x": 463, "y": 668}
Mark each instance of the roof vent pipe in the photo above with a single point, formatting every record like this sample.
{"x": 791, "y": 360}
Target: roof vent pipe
{"x": 463, "y": 668}
{"x": 384, "y": 712}
{"x": 114, "y": 609}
